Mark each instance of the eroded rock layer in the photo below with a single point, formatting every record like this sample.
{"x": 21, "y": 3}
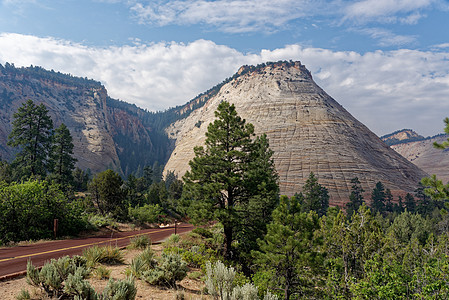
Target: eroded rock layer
{"x": 307, "y": 130}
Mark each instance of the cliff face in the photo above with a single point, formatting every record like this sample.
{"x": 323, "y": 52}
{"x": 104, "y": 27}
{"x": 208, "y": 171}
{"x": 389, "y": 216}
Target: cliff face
{"x": 307, "y": 130}
{"x": 425, "y": 156}
{"x": 81, "y": 105}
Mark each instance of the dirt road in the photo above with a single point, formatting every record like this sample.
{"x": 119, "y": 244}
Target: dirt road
{"x": 13, "y": 260}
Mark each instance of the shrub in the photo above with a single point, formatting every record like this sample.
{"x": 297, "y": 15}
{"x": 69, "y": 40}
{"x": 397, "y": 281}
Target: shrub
{"x": 58, "y": 277}
{"x": 23, "y": 295}
{"x": 142, "y": 263}
{"x": 98, "y": 221}
{"x": 140, "y": 242}
{"x": 145, "y": 214}
{"x": 105, "y": 255}
{"x": 171, "y": 268}
{"x": 219, "y": 280}
{"x": 102, "y": 272}
{"x": 203, "y": 232}
{"x": 120, "y": 290}
{"x": 245, "y": 292}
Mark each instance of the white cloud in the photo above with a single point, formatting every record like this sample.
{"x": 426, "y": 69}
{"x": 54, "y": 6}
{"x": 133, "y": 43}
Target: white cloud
{"x": 226, "y": 15}
{"x": 385, "y": 90}
{"x": 387, "y": 38}
{"x": 387, "y": 10}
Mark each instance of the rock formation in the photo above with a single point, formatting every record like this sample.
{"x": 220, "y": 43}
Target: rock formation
{"x": 425, "y": 156}
{"x": 307, "y": 130}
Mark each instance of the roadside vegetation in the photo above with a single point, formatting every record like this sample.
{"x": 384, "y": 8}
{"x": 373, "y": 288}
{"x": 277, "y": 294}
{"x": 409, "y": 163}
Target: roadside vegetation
{"x": 252, "y": 243}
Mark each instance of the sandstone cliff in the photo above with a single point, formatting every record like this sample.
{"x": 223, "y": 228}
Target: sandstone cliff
{"x": 307, "y": 129}
{"x": 425, "y": 156}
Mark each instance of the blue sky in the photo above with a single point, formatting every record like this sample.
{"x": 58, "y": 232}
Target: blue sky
{"x": 385, "y": 61}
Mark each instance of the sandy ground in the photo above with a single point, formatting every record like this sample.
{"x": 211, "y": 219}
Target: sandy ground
{"x": 191, "y": 289}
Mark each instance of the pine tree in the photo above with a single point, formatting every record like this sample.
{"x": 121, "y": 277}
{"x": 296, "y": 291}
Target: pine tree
{"x": 222, "y": 181}
{"x": 63, "y": 163}
{"x": 32, "y": 131}
{"x": 288, "y": 248}
{"x": 315, "y": 195}
{"x": 378, "y": 198}
{"x": 410, "y": 203}
{"x": 355, "y": 198}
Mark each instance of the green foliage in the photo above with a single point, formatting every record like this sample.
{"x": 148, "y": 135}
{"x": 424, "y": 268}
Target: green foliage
{"x": 103, "y": 255}
{"x": 224, "y": 182}
{"x": 355, "y": 198}
{"x": 445, "y": 144}
{"x": 203, "y": 232}
{"x": 107, "y": 194}
{"x": 23, "y": 295}
{"x": 60, "y": 278}
{"x": 100, "y": 221}
{"x": 220, "y": 280}
{"x": 27, "y": 211}
{"x": 32, "y": 131}
{"x": 170, "y": 269}
{"x": 142, "y": 263}
{"x": 314, "y": 196}
{"x": 61, "y": 157}
{"x": 120, "y": 289}
{"x": 140, "y": 242}
{"x": 288, "y": 248}
{"x": 101, "y": 272}
{"x": 378, "y": 198}
{"x": 149, "y": 213}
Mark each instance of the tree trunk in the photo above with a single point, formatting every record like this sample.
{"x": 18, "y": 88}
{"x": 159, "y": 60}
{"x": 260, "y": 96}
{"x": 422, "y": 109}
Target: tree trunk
{"x": 227, "y": 251}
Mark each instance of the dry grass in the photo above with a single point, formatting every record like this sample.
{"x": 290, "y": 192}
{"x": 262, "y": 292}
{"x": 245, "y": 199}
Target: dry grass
{"x": 191, "y": 288}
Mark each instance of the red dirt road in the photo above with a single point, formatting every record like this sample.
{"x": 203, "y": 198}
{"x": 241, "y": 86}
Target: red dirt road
{"x": 14, "y": 259}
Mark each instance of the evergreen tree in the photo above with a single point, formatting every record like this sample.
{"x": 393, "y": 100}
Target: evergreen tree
{"x": 221, "y": 183}
{"x": 378, "y": 198}
{"x": 62, "y": 160}
{"x": 356, "y": 197}
{"x": 80, "y": 180}
{"x": 315, "y": 195}
{"x": 288, "y": 249}
{"x": 410, "y": 204}
{"x": 32, "y": 131}
{"x": 107, "y": 194}
{"x": 388, "y": 201}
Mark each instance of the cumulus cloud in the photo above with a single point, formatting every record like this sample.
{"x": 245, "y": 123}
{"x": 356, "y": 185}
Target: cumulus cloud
{"x": 385, "y": 90}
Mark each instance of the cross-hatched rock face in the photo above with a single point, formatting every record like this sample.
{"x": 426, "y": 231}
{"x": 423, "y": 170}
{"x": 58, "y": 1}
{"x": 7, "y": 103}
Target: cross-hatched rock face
{"x": 307, "y": 130}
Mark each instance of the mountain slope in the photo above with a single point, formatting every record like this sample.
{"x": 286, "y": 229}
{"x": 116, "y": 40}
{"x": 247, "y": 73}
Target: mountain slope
{"x": 425, "y": 156}
{"x": 307, "y": 129}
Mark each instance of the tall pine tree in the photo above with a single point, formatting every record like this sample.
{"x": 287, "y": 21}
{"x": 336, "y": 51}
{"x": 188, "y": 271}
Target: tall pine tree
{"x": 223, "y": 183}
{"x": 32, "y": 131}
{"x": 63, "y": 163}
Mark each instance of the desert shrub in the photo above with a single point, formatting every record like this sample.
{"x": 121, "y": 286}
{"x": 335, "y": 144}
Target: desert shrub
{"x": 142, "y": 263}
{"x": 173, "y": 240}
{"x": 23, "y": 295}
{"x": 203, "y": 232}
{"x": 78, "y": 288}
{"x": 140, "y": 242}
{"x": 104, "y": 255}
{"x": 98, "y": 221}
{"x": 145, "y": 214}
{"x": 101, "y": 272}
{"x": 245, "y": 292}
{"x": 170, "y": 269}
{"x": 220, "y": 280}
{"x": 53, "y": 276}
{"x": 270, "y": 296}
{"x": 197, "y": 256}
{"x": 120, "y": 290}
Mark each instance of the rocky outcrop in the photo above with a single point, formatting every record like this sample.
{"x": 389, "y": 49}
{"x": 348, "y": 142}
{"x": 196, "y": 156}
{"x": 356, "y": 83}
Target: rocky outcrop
{"x": 307, "y": 130}
{"x": 425, "y": 156}
{"x": 79, "y": 103}
{"x": 401, "y": 136}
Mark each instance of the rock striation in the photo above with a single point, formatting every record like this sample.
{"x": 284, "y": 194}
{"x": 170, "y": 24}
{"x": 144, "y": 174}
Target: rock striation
{"x": 425, "y": 156}
{"x": 307, "y": 130}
